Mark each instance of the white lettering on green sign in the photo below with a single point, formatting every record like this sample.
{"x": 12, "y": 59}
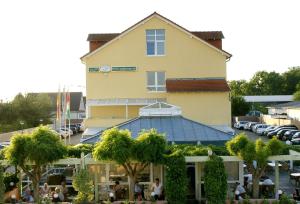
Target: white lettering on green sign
{"x": 93, "y": 69}
{"x": 128, "y": 69}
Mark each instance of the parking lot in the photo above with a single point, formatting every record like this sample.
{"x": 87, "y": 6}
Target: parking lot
{"x": 252, "y": 135}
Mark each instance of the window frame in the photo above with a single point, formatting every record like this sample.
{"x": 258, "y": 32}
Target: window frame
{"x": 155, "y": 41}
{"x": 156, "y": 85}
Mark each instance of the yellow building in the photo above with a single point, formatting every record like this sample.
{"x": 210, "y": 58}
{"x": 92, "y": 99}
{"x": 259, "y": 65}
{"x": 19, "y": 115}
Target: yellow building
{"x": 156, "y": 60}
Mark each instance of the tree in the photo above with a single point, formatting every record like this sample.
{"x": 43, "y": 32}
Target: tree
{"x": 215, "y": 180}
{"x": 134, "y": 155}
{"x": 31, "y": 108}
{"x": 32, "y": 152}
{"x": 176, "y": 177}
{"x": 291, "y": 79}
{"x": 266, "y": 83}
{"x": 83, "y": 183}
{"x": 255, "y": 155}
{"x": 238, "y": 87}
{"x": 296, "y": 95}
{"x": 239, "y": 106}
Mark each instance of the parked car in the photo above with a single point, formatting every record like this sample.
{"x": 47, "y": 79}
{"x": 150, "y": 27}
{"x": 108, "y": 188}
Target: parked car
{"x": 268, "y": 129}
{"x": 274, "y": 132}
{"x": 280, "y": 133}
{"x": 4, "y": 144}
{"x": 288, "y": 135}
{"x": 249, "y": 125}
{"x": 254, "y": 128}
{"x": 72, "y": 127}
{"x": 296, "y": 135}
{"x": 277, "y": 127}
{"x": 261, "y": 128}
{"x": 64, "y": 132}
{"x": 240, "y": 124}
{"x": 295, "y": 141}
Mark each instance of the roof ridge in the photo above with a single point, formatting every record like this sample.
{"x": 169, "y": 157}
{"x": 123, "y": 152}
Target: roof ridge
{"x": 98, "y": 134}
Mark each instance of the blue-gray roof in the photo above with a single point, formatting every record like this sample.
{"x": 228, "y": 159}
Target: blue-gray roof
{"x": 176, "y": 128}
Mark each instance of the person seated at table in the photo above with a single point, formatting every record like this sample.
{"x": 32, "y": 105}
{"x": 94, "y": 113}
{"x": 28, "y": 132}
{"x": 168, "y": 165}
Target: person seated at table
{"x": 27, "y": 195}
{"x": 118, "y": 190}
{"x": 45, "y": 190}
{"x": 267, "y": 182}
{"x": 240, "y": 189}
{"x": 263, "y": 177}
{"x": 64, "y": 190}
{"x": 138, "y": 191}
{"x": 59, "y": 194}
{"x": 157, "y": 189}
{"x": 296, "y": 194}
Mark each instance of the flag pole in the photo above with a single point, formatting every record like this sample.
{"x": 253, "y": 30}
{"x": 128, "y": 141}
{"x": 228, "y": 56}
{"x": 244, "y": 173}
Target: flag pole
{"x": 65, "y": 118}
{"x": 58, "y": 112}
{"x": 69, "y": 114}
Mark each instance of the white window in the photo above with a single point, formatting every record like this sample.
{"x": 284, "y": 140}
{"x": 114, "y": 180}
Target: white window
{"x": 156, "y": 81}
{"x": 155, "y": 42}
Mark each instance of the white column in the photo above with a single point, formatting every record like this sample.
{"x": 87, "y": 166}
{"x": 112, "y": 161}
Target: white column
{"x": 197, "y": 180}
{"x": 88, "y": 111}
{"x": 126, "y": 114}
{"x": 241, "y": 172}
{"x": 96, "y": 188}
{"x": 151, "y": 173}
{"x": 276, "y": 177}
{"x": 291, "y": 164}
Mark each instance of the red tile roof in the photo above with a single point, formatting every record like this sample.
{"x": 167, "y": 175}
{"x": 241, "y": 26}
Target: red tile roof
{"x": 196, "y": 85}
{"x": 205, "y": 35}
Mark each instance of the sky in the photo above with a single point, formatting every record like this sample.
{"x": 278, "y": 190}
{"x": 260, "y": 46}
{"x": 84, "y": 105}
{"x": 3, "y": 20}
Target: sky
{"x": 41, "y": 41}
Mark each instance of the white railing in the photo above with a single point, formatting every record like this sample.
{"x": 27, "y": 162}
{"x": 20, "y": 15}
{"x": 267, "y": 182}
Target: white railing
{"x": 123, "y": 101}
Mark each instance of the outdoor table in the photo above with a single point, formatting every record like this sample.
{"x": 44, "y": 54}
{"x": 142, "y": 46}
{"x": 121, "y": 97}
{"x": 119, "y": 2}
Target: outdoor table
{"x": 249, "y": 176}
{"x": 272, "y": 164}
{"x": 295, "y": 176}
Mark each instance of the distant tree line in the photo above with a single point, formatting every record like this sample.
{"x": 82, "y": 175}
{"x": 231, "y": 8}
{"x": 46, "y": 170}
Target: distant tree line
{"x": 264, "y": 83}
{"x": 25, "y": 111}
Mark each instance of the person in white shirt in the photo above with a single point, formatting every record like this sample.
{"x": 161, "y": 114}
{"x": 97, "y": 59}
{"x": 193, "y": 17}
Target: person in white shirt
{"x": 240, "y": 191}
{"x": 45, "y": 190}
{"x": 157, "y": 189}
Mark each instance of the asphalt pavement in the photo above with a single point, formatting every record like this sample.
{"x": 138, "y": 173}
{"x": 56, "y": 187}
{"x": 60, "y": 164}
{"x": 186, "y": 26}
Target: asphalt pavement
{"x": 252, "y": 135}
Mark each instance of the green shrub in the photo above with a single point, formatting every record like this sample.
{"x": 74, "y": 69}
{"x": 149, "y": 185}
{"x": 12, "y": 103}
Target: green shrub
{"x": 265, "y": 202}
{"x": 83, "y": 183}
{"x": 198, "y": 150}
{"x": 285, "y": 200}
{"x": 215, "y": 180}
{"x": 2, "y": 186}
{"x": 8, "y": 178}
{"x": 75, "y": 151}
{"x": 176, "y": 179}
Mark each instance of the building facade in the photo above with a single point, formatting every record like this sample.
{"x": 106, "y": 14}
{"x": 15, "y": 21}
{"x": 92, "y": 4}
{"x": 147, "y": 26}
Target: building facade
{"x": 156, "y": 60}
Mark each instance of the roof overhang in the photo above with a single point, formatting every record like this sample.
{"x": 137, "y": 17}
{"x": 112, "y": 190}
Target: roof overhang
{"x": 197, "y": 85}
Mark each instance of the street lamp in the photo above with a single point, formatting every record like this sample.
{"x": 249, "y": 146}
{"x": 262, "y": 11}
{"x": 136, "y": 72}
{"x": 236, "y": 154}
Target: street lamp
{"x": 22, "y": 123}
{"x": 41, "y": 121}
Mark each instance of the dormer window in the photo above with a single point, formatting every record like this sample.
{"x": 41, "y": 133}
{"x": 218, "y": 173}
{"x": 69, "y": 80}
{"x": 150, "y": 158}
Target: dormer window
{"x": 155, "y": 42}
